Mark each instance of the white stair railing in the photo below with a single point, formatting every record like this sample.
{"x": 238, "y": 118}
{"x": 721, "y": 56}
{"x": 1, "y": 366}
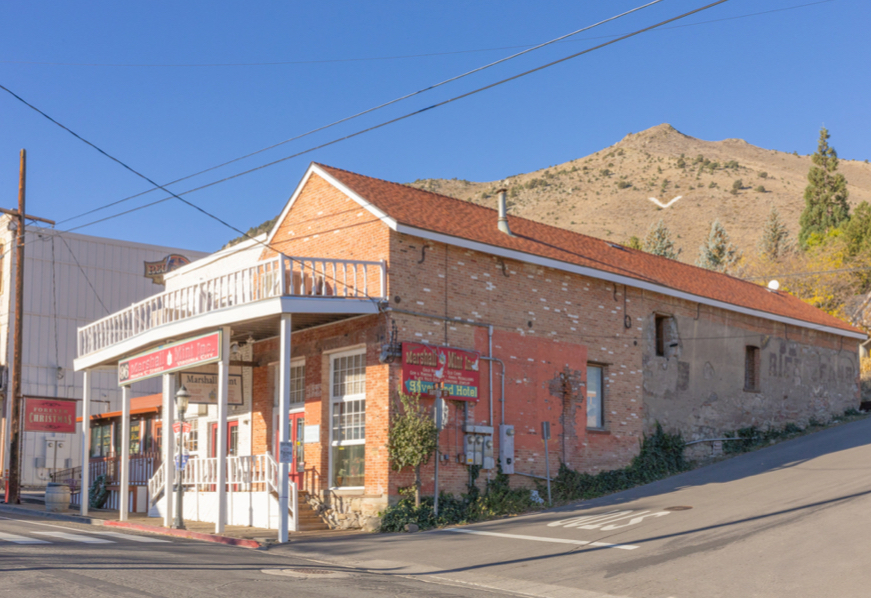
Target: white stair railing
{"x": 250, "y": 473}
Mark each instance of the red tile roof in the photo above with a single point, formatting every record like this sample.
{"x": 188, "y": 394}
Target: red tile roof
{"x": 466, "y": 220}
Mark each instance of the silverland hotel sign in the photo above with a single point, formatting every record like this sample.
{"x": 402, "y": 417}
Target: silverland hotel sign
{"x": 181, "y": 355}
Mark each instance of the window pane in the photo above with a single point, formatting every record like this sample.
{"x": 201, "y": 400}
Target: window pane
{"x": 349, "y": 420}
{"x": 297, "y": 385}
{"x": 349, "y": 465}
{"x": 594, "y": 397}
{"x": 349, "y": 375}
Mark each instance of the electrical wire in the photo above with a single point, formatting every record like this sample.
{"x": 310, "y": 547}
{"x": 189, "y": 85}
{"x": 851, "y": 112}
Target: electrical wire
{"x": 378, "y": 58}
{"x": 373, "y": 109}
{"x": 359, "y": 132}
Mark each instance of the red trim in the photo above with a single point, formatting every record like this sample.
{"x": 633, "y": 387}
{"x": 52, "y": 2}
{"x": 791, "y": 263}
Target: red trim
{"x": 183, "y": 533}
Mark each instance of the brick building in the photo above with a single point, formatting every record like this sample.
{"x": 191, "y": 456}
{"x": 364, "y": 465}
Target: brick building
{"x": 597, "y": 339}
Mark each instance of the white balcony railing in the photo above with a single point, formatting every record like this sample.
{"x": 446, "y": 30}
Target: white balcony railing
{"x": 276, "y": 277}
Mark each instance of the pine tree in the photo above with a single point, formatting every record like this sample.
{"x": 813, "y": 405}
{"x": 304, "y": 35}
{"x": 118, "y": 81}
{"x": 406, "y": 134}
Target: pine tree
{"x": 825, "y": 197}
{"x": 718, "y": 252}
{"x": 857, "y": 231}
{"x": 658, "y": 241}
{"x": 775, "y": 241}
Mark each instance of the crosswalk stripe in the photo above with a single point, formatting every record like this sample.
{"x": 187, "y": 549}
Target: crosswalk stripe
{"x": 20, "y": 539}
{"x": 131, "y": 538}
{"x": 76, "y": 538}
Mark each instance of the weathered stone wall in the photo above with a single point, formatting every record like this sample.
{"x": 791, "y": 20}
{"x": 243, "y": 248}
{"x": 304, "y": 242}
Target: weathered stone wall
{"x": 698, "y": 387}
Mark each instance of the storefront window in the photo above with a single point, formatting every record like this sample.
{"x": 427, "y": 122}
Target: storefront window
{"x": 135, "y": 438}
{"x": 101, "y": 440}
{"x": 348, "y": 426}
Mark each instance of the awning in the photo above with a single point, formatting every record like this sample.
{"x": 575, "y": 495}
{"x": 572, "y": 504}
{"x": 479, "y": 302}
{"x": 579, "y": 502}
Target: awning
{"x": 138, "y": 406}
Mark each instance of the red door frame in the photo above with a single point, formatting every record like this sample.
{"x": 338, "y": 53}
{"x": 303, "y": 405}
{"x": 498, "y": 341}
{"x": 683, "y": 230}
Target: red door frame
{"x": 214, "y": 436}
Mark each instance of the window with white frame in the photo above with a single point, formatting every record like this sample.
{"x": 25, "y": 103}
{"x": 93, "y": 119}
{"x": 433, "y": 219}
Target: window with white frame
{"x": 348, "y": 419}
{"x": 595, "y": 402}
{"x": 297, "y": 384}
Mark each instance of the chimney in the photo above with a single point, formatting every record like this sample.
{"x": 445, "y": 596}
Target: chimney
{"x": 502, "y": 223}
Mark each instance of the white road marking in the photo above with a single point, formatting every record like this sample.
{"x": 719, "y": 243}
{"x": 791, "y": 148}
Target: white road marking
{"x": 128, "y": 537}
{"x": 661, "y": 205}
{"x": 20, "y": 539}
{"x": 541, "y": 539}
{"x": 76, "y": 538}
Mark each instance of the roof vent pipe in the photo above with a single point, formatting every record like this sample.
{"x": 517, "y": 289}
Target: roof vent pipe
{"x": 503, "y": 212}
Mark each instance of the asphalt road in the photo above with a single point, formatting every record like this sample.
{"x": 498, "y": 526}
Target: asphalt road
{"x": 793, "y": 519}
{"x": 46, "y": 558}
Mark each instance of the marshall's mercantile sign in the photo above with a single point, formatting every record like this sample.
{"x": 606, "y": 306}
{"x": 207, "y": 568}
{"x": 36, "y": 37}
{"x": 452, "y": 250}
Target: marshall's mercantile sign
{"x": 424, "y": 365}
{"x": 50, "y": 415}
{"x": 202, "y": 383}
{"x": 170, "y": 358}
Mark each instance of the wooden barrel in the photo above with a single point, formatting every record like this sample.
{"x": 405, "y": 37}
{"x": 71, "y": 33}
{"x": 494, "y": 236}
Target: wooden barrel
{"x": 57, "y": 497}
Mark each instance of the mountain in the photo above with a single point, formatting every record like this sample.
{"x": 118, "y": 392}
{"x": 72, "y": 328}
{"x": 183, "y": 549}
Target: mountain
{"x": 606, "y": 194}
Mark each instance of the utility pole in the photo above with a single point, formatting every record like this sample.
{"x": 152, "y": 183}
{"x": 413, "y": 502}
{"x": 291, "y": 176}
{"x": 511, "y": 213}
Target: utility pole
{"x": 13, "y": 479}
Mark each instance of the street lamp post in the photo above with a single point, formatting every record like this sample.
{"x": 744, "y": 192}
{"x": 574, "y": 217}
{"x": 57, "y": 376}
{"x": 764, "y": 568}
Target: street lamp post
{"x": 181, "y": 404}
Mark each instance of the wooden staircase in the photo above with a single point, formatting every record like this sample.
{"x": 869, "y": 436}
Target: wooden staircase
{"x": 309, "y": 520}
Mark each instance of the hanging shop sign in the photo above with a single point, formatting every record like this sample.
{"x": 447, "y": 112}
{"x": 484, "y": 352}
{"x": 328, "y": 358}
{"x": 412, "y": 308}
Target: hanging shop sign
{"x": 181, "y": 355}
{"x": 50, "y": 415}
{"x": 424, "y": 365}
{"x": 157, "y": 270}
{"x": 202, "y": 383}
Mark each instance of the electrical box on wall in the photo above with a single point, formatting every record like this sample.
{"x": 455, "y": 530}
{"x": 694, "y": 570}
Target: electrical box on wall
{"x": 479, "y": 446}
{"x": 506, "y": 448}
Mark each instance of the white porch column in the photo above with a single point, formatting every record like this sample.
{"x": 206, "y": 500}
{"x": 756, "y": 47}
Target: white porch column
{"x": 125, "y": 453}
{"x": 168, "y": 448}
{"x": 284, "y": 427}
{"x": 221, "y": 436}
{"x": 86, "y": 441}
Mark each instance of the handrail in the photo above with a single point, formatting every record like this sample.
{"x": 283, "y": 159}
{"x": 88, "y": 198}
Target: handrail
{"x": 275, "y": 277}
{"x": 250, "y": 473}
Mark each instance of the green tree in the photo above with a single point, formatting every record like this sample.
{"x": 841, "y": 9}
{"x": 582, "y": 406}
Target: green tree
{"x": 857, "y": 231}
{"x": 634, "y": 243}
{"x": 411, "y": 439}
{"x": 658, "y": 241}
{"x": 825, "y": 197}
{"x": 718, "y": 253}
{"x": 774, "y": 242}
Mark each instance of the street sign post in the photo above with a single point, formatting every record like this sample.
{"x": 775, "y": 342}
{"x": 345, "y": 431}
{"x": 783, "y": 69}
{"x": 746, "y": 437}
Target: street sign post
{"x": 285, "y": 452}
{"x": 545, "y": 434}
{"x": 184, "y": 462}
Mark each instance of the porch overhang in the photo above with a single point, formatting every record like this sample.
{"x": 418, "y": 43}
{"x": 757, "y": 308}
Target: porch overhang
{"x": 258, "y": 320}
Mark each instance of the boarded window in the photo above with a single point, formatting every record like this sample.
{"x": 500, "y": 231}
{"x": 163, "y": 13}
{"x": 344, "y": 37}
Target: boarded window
{"x": 752, "y": 363}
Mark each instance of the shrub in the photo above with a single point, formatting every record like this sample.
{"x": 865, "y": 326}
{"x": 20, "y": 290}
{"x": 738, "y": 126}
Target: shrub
{"x": 713, "y": 185}
{"x": 623, "y": 184}
{"x": 737, "y": 185}
{"x": 759, "y": 189}
{"x": 763, "y": 175}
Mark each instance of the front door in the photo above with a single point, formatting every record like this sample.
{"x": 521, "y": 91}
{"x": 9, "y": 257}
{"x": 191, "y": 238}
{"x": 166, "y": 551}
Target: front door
{"x": 232, "y": 439}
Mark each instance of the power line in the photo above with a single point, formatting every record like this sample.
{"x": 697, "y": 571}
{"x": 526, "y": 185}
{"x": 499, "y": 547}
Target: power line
{"x": 359, "y": 132}
{"x": 377, "y": 58}
{"x": 378, "y": 107}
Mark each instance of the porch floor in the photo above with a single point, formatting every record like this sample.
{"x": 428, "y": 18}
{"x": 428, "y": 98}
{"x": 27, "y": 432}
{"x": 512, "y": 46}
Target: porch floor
{"x": 34, "y": 503}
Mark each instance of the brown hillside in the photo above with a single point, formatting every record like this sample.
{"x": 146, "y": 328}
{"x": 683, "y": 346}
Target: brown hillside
{"x": 606, "y": 194}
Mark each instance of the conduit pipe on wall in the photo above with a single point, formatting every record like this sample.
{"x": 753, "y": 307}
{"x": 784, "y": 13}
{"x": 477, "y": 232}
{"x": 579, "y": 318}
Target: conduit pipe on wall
{"x": 489, "y": 328}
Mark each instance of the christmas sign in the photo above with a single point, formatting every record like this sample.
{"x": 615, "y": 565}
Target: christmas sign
{"x": 50, "y": 415}
{"x": 170, "y": 358}
{"x": 424, "y": 365}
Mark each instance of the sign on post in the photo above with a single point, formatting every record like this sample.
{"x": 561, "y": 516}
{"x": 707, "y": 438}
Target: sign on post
{"x": 177, "y": 425}
{"x": 184, "y": 462}
{"x": 50, "y": 415}
{"x": 425, "y": 365}
{"x": 181, "y": 355}
{"x": 203, "y": 385}
{"x": 285, "y": 452}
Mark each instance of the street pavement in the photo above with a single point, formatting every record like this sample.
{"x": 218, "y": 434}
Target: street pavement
{"x": 40, "y": 557}
{"x": 793, "y": 519}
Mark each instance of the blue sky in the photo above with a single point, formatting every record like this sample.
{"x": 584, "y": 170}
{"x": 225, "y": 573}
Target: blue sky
{"x": 771, "y": 79}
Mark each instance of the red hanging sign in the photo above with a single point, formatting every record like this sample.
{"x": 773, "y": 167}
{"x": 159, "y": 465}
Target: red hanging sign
{"x": 424, "y": 365}
{"x": 177, "y": 425}
{"x": 50, "y": 415}
{"x": 170, "y": 358}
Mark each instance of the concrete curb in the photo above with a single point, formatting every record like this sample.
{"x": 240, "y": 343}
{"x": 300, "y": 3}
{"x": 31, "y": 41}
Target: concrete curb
{"x": 59, "y": 516}
{"x": 182, "y": 533}
{"x": 179, "y": 533}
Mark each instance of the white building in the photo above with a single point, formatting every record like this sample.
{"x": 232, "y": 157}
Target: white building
{"x": 70, "y": 280}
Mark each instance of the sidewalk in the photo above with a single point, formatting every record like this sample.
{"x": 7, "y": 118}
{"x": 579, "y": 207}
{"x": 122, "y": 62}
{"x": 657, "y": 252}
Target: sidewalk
{"x": 234, "y": 535}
